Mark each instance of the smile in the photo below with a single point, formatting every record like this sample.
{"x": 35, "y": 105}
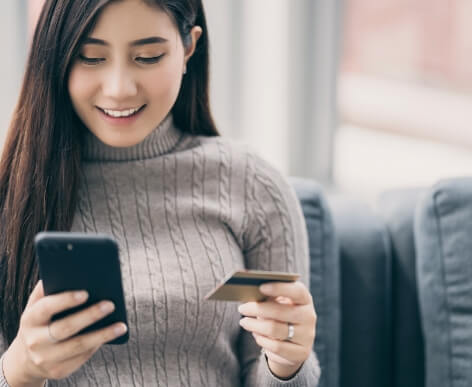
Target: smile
{"x": 122, "y": 113}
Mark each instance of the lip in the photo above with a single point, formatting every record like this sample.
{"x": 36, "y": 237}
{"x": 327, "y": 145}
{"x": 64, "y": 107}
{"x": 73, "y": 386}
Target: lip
{"x": 121, "y": 120}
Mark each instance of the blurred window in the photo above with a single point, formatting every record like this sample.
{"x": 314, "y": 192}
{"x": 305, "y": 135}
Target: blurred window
{"x": 406, "y": 67}
{"x": 13, "y": 42}
{"x": 34, "y": 8}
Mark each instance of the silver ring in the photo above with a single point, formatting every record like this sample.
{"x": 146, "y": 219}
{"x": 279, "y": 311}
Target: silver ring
{"x": 291, "y": 332}
{"x": 51, "y": 337}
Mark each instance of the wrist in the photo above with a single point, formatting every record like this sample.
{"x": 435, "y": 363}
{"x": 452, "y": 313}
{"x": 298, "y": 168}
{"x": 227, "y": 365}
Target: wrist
{"x": 283, "y": 371}
{"x": 16, "y": 376}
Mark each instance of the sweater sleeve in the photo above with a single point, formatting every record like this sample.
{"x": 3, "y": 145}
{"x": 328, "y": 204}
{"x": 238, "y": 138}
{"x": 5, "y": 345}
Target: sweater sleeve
{"x": 274, "y": 238}
{"x": 3, "y": 344}
{"x": 3, "y": 349}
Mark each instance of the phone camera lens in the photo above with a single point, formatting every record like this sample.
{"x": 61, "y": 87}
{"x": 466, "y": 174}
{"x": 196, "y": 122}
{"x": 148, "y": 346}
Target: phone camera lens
{"x": 70, "y": 247}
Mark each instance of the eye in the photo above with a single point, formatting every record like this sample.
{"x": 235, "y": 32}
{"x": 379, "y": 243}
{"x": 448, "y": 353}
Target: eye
{"x": 91, "y": 61}
{"x": 150, "y": 60}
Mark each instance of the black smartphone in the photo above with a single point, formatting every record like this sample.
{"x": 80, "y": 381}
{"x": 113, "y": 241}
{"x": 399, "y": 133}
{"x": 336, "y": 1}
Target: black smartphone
{"x": 82, "y": 261}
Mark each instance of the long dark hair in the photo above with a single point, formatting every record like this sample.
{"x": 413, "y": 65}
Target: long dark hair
{"x": 41, "y": 159}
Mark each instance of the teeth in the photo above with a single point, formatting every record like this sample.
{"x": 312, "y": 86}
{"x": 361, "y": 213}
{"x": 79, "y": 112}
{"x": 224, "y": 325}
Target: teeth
{"x": 122, "y": 113}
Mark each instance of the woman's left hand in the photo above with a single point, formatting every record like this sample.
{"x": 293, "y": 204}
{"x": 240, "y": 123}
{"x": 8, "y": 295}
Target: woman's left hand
{"x": 269, "y": 321}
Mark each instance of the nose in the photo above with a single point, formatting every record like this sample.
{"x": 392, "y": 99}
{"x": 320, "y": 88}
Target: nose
{"x": 119, "y": 83}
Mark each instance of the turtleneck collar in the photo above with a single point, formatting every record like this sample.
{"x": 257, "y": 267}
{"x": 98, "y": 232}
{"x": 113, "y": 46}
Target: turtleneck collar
{"x": 161, "y": 140}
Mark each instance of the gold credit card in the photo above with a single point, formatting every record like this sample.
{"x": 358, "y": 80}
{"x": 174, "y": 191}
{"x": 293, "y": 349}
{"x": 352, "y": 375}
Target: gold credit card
{"x": 243, "y": 285}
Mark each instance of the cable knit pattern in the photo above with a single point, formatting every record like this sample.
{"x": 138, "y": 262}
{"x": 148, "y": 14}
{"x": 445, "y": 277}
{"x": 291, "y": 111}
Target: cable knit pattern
{"x": 3, "y": 381}
{"x": 186, "y": 211}
{"x": 154, "y": 269}
{"x": 198, "y": 163}
{"x": 284, "y": 216}
{"x": 118, "y": 230}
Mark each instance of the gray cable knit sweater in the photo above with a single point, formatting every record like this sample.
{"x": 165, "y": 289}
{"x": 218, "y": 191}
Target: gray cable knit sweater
{"x": 186, "y": 211}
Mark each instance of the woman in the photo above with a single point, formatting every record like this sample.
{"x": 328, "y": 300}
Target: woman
{"x": 113, "y": 133}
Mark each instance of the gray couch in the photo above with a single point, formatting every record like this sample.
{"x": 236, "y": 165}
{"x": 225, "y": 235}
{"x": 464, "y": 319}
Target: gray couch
{"x": 392, "y": 286}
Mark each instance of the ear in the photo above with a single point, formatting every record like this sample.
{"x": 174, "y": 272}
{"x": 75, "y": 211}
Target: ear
{"x": 195, "y": 34}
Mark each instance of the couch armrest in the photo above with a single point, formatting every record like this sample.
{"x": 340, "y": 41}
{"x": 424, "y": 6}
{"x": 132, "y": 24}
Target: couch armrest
{"x": 365, "y": 293}
{"x": 324, "y": 277}
{"x": 443, "y": 236}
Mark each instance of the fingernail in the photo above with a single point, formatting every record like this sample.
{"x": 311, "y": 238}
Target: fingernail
{"x": 266, "y": 288}
{"x": 120, "y": 329}
{"x": 241, "y": 308}
{"x": 81, "y": 295}
{"x": 242, "y": 321}
{"x": 107, "y": 307}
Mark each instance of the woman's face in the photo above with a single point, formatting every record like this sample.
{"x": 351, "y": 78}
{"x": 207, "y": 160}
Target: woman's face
{"x": 128, "y": 74}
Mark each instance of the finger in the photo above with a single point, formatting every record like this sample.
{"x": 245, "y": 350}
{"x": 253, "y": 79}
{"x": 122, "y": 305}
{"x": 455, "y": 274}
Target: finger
{"x": 81, "y": 344}
{"x": 291, "y": 352}
{"x": 48, "y": 306}
{"x": 36, "y": 294}
{"x": 71, "y": 325}
{"x": 274, "y": 329}
{"x": 272, "y": 310}
{"x": 278, "y": 359}
{"x": 296, "y": 291}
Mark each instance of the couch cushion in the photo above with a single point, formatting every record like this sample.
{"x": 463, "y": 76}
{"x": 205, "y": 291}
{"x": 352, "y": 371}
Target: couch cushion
{"x": 443, "y": 236}
{"x": 365, "y": 294}
{"x": 324, "y": 277}
{"x": 397, "y": 207}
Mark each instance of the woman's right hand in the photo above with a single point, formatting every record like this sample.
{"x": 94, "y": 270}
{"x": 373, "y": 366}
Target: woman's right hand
{"x": 51, "y": 350}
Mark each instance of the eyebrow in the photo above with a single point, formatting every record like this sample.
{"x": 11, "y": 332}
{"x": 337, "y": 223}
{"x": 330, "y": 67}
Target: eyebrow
{"x": 139, "y": 42}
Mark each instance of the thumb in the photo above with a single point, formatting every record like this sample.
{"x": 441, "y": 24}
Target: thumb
{"x": 36, "y": 294}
